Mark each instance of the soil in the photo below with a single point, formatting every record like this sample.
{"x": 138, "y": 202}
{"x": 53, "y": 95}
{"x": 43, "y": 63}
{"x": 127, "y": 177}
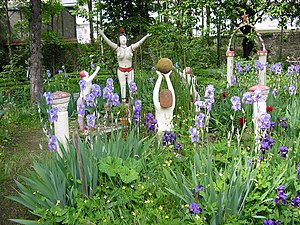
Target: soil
{"x": 16, "y": 157}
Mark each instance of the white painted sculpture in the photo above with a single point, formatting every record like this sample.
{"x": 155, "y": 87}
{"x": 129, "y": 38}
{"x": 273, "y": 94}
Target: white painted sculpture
{"x": 262, "y": 57}
{"x": 190, "y": 80}
{"x": 124, "y": 55}
{"x": 61, "y": 126}
{"x": 230, "y": 62}
{"x": 83, "y": 93}
{"x": 164, "y": 115}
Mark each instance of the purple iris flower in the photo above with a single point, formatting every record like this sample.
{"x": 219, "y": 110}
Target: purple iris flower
{"x": 136, "y": 111}
{"x": 91, "y": 120}
{"x": 259, "y": 65}
{"x": 247, "y": 67}
{"x": 81, "y": 109}
{"x": 247, "y": 98}
{"x": 107, "y": 92}
{"x": 236, "y": 103}
{"x": 194, "y": 208}
{"x": 257, "y": 96}
{"x": 209, "y": 92}
{"x": 52, "y": 146}
{"x": 276, "y": 68}
{"x": 49, "y": 98}
{"x": 263, "y": 121}
{"x": 53, "y": 115}
{"x": 284, "y": 151}
{"x": 239, "y": 68}
{"x": 115, "y": 99}
{"x": 296, "y": 201}
{"x": 132, "y": 87}
{"x": 194, "y": 134}
{"x": 283, "y": 123}
{"x": 109, "y": 82}
{"x": 60, "y": 71}
{"x": 292, "y": 89}
{"x": 151, "y": 80}
{"x": 48, "y": 73}
{"x": 82, "y": 84}
{"x": 96, "y": 90}
{"x": 90, "y": 99}
{"x": 200, "y": 120}
{"x": 274, "y": 92}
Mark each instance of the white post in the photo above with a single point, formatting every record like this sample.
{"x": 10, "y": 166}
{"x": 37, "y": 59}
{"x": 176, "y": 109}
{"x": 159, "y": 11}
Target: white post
{"x": 61, "y": 126}
{"x": 259, "y": 106}
{"x": 262, "y": 57}
{"x": 230, "y": 57}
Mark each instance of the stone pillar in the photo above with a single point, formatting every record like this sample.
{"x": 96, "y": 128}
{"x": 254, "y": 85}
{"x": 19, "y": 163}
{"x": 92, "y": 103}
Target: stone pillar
{"x": 259, "y": 106}
{"x": 230, "y": 57}
{"x": 61, "y": 127}
{"x": 262, "y": 57}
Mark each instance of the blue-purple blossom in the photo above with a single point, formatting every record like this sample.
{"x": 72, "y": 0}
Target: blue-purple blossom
{"x": 266, "y": 143}
{"x": 238, "y": 67}
{"x": 150, "y": 122}
{"x": 91, "y": 120}
{"x": 200, "y": 120}
{"x": 92, "y": 65}
{"x": 199, "y": 105}
{"x": 276, "y": 68}
{"x": 296, "y": 201}
{"x": 48, "y": 73}
{"x": 53, "y": 115}
{"x": 107, "y": 92}
{"x": 281, "y": 196}
{"x": 169, "y": 138}
{"x": 177, "y": 147}
{"x": 209, "y": 92}
{"x": 283, "y": 122}
{"x": 52, "y": 143}
{"x": 81, "y": 109}
{"x": 247, "y": 67}
{"x": 194, "y": 208}
{"x": 247, "y": 98}
{"x": 115, "y": 99}
{"x": 263, "y": 121}
{"x": 208, "y": 104}
{"x": 233, "y": 80}
{"x": 259, "y": 65}
{"x": 132, "y": 87}
{"x": 49, "y": 98}
{"x": 151, "y": 80}
{"x": 292, "y": 89}
{"x": 236, "y": 103}
{"x": 136, "y": 111}
{"x": 60, "y": 71}
{"x": 194, "y": 134}
{"x": 274, "y": 92}
{"x": 284, "y": 151}
{"x": 198, "y": 188}
{"x": 82, "y": 84}
{"x": 271, "y": 222}
{"x": 109, "y": 82}
{"x": 90, "y": 99}
{"x": 298, "y": 170}
{"x": 96, "y": 90}
{"x": 293, "y": 69}
{"x": 257, "y": 96}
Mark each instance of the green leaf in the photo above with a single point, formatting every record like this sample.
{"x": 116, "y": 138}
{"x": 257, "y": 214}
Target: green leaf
{"x": 26, "y": 222}
{"x": 127, "y": 174}
{"x": 110, "y": 165}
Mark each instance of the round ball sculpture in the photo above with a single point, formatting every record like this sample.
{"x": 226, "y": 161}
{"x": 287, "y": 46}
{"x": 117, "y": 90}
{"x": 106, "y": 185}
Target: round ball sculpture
{"x": 164, "y": 65}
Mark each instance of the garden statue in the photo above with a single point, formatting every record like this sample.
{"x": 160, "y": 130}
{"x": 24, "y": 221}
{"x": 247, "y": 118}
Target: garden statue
{"x": 164, "y": 102}
{"x": 85, "y": 89}
{"x": 190, "y": 80}
{"x": 124, "y": 56}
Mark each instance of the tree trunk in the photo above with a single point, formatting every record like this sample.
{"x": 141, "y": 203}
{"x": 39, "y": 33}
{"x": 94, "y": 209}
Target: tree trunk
{"x": 8, "y": 30}
{"x": 90, "y": 7}
{"x": 35, "y": 28}
{"x": 247, "y": 44}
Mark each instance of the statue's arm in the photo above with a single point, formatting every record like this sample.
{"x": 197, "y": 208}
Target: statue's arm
{"x": 156, "y": 90}
{"x": 170, "y": 87}
{"x": 137, "y": 44}
{"x": 90, "y": 78}
{"x": 109, "y": 42}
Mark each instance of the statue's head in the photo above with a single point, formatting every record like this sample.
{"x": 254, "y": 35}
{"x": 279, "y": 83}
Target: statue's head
{"x": 83, "y": 74}
{"x": 122, "y": 37}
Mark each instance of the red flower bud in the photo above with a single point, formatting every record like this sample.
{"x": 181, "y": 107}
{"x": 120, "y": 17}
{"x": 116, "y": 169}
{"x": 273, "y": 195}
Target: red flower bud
{"x": 269, "y": 108}
{"x": 241, "y": 121}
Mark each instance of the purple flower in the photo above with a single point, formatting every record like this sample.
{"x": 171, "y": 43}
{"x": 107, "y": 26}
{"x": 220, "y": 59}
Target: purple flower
{"x": 200, "y": 120}
{"x": 90, "y": 99}
{"x": 107, "y": 92}
{"x": 208, "y": 104}
{"x": 198, "y": 188}
{"x": 53, "y": 115}
{"x": 257, "y": 96}
{"x": 194, "y": 134}
{"x": 52, "y": 146}
{"x": 293, "y": 69}
{"x": 259, "y": 65}
{"x": 296, "y": 201}
{"x": 177, "y": 147}
{"x": 136, "y": 111}
{"x": 271, "y": 222}
{"x": 199, "y": 105}
{"x": 233, "y": 80}
{"x": 276, "y": 68}
{"x": 209, "y": 92}
{"x": 48, "y": 73}
{"x": 247, "y": 97}
{"x": 247, "y": 67}
{"x": 168, "y": 138}
{"x": 194, "y": 208}
{"x": 82, "y": 84}
{"x": 96, "y": 90}
{"x": 236, "y": 103}
{"x": 298, "y": 170}
{"x": 92, "y": 65}
{"x": 292, "y": 89}
{"x": 115, "y": 99}
{"x": 81, "y": 109}
{"x": 91, "y": 120}
{"x": 283, "y": 123}
{"x": 49, "y": 98}
{"x": 274, "y": 92}
{"x": 132, "y": 87}
{"x": 263, "y": 121}
{"x": 151, "y": 80}
{"x": 239, "y": 68}
{"x": 109, "y": 82}
{"x": 60, "y": 71}
{"x": 281, "y": 196}
{"x": 284, "y": 151}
